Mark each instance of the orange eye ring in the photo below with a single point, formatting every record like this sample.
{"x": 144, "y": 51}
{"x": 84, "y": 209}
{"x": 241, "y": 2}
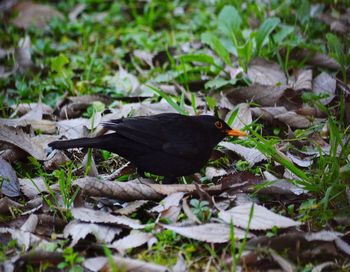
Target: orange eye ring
{"x": 218, "y": 124}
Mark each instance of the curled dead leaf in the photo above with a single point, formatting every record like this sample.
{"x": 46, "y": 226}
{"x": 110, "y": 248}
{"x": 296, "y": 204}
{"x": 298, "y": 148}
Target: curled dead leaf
{"x": 261, "y": 219}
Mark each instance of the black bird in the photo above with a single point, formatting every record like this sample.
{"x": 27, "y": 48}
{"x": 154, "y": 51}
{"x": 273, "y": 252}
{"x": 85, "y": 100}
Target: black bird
{"x": 168, "y": 144}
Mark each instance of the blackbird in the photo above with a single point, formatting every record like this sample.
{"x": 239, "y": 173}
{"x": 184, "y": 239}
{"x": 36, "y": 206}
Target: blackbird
{"x": 168, "y": 144}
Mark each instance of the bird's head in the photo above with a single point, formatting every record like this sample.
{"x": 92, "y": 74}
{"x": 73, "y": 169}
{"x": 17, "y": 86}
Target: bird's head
{"x": 218, "y": 129}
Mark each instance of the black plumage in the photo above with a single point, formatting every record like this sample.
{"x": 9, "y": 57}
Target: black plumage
{"x": 169, "y": 144}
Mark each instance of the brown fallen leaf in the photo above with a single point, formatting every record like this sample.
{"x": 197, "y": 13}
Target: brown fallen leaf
{"x": 32, "y": 14}
{"x": 23, "y": 238}
{"x": 171, "y": 214}
{"x": 280, "y": 186}
{"x": 73, "y": 128}
{"x": 212, "y": 172}
{"x": 262, "y": 218}
{"x": 145, "y": 57}
{"x": 79, "y": 230}
{"x": 126, "y": 264}
{"x": 266, "y": 73}
{"x": 95, "y": 216}
{"x": 23, "y": 56}
{"x": 268, "y": 113}
{"x": 282, "y": 115}
{"x": 55, "y": 160}
{"x": 243, "y": 118}
{"x": 187, "y": 210}
{"x": 316, "y": 59}
{"x": 144, "y": 108}
{"x": 293, "y": 120}
{"x": 135, "y": 189}
{"x": 262, "y": 94}
{"x": 45, "y": 126}
{"x": 23, "y": 141}
{"x": 23, "y": 108}
{"x": 131, "y": 207}
{"x": 285, "y": 264}
{"x": 9, "y": 181}
{"x": 125, "y": 83}
{"x": 325, "y": 84}
{"x": 135, "y": 239}
{"x": 172, "y": 200}
{"x": 302, "y": 80}
{"x": 305, "y": 162}
{"x": 32, "y": 187}
{"x": 6, "y": 204}
{"x": 335, "y": 24}
{"x": 76, "y": 11}
{"x": 251, "y": 155}
{"x": 210, "y": 233}
{"x": 31, "y": 224}
{"x": 323, "y": 235}
{"x": 74, "y": 106}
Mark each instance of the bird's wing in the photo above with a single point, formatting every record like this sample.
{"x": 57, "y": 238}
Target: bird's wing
{"x": 169, "y": 134}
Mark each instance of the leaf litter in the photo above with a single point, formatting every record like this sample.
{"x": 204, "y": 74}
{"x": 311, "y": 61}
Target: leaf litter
{"x": 242, "y": 192}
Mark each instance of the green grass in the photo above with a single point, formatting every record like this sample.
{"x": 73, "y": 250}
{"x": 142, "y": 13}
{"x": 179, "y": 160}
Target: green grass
{"x": 77, "y": 57}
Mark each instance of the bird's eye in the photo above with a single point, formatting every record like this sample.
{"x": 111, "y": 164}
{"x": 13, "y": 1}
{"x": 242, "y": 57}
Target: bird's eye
{"x": 218, "y": 124}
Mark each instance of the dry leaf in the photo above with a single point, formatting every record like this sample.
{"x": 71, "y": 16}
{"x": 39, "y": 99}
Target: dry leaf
{"x": 6, "y": 205}
{"x": 266, "y": 73}
{"x": 211, "y": 232}
{"x": 131, "y": 207}
{"x": 268, "y": 113}
{"x": 29, "y": 189}
{"x": 251, "y": 155}
{"x": 180, "y": 265}
{"x": 21, "y": 140}
{"x": 138, "y": 189}
{"x": 32, "y": 14}
{"x": 261, "y": 94}
{"x": 171, "y": 214}
{"x": 303, "y": 80}
{"x": 126, "y": 83}
{"x": 306, "y": 162}
{"x": 76, "y": 11}
{"x": 134, "y": 239}
{"x": 262, "y": 218}
{"x": 95, "y": 216}
{"x": 144, "y": 56}
{"x": 212, "y": 172}
{"x": 280, "y": 186}
{"x": 23, "y": 238}
{"x": 55, "y": 160}
{"x": 286, "y": 265}
{"x": 343, "y": 246}
{"x": 243, "y": 118}
{"x": 23, "y": 108}
{"x": 172, "y": 200}
{"x": 316, "y": 59}
{"x": 73, "y": 128}
{"x": 30, "y": 224}
{"x": 8, "y": 180}
{"x": 79, "y": 230}
{"x": 23, "y": 56}
{"x": 323, "y": 235}
{"x": 293, "y": 120}
{"x": 325, "y": 84}
{"x": 189, "y": 213}
{"x": 145, "y": 108}
{"x": 123, "y": 264}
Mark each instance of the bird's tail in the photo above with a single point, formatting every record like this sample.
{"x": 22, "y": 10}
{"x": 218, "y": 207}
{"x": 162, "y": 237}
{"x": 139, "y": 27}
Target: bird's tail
{"x": 97, "y": 142}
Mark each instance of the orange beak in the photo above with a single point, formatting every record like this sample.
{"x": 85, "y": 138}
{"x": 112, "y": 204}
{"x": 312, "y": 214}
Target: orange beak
{"x": 235, "y": 132}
